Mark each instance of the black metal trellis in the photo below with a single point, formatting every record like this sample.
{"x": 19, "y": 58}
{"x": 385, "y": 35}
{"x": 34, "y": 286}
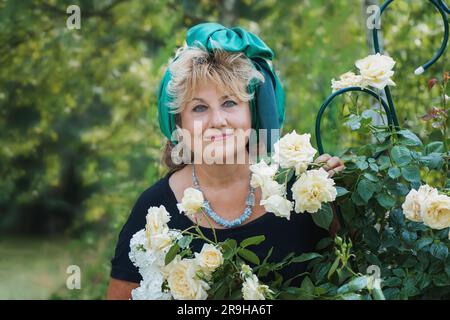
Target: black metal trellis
{"x": 388, "y": 105}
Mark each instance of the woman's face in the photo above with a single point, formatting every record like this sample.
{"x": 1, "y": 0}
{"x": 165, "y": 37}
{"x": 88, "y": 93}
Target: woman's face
{"x": 217, "y": 125}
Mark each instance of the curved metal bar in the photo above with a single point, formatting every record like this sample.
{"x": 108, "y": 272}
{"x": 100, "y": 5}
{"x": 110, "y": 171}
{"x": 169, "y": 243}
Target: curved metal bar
{"x": 444, "y": 6}
{"x": 443, "y": 10}
{"x": 334, "y": 95}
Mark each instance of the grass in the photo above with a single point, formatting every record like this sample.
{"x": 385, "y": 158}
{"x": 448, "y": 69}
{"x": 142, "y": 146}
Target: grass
{"x": 32, "y": 268}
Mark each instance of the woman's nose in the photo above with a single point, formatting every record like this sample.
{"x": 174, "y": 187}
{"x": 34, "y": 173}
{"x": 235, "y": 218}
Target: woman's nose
{"x": 217, "y": 119}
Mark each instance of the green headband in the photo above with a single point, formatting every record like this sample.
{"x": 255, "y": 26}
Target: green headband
{"x": 267, "y": 106}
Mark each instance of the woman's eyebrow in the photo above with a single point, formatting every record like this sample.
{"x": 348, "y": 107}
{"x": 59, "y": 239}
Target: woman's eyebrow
{"x": 198, "y": 99}
{"x": 221, "y": 98}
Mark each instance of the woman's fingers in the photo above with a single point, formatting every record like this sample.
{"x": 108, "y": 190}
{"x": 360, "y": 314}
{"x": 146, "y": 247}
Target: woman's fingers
{"x": 322, "y": 158}
{"x": 332, "y": 163}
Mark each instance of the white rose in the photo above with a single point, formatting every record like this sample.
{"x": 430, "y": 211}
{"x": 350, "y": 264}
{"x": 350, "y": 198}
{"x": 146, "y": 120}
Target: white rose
{"x": 279, "y": 205}
{"x": 348, "y": 79}
{"x": 151, "y": 289}
{"x": 184, "y": 283}
{"x": 414, "y": 200}
{"x": 294, "y": 151}
{"x": 209, "y": 258}
{"x": 157, "y": 219}
{"x": 261, "y": 172}
{"x": 376, "y": 70}
{"x": 271, "y": 188}
{"x": 436, "y": 212}
{"x": 312, "y": 189}
{"x": 253, "y": 290}
{"x": 160, "y": 242}
{"x": 192, "y": 201}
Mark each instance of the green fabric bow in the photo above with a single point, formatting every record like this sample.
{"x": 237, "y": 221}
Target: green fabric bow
{"x": 267, "y": 106}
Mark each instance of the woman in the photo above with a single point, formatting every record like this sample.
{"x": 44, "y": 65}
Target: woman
{"x": 218, "y": 88}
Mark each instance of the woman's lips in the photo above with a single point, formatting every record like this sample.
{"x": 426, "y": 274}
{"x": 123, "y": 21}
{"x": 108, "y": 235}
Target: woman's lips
{"x": 219, "y": 137}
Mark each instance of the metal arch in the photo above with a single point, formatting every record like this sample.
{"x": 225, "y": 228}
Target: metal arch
{"x": 443, "y": 10}
{"x": 338, "y": 93}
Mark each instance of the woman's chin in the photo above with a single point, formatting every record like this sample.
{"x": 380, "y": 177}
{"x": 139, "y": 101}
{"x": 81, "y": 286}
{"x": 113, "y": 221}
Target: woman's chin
{"x": 224, "y": 155}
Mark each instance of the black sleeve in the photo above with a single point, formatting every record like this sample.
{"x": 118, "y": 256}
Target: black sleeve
{"x": 121, "y": 266}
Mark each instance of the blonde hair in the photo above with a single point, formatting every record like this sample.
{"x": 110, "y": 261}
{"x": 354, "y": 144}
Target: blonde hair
{"x": 233, "y": 72}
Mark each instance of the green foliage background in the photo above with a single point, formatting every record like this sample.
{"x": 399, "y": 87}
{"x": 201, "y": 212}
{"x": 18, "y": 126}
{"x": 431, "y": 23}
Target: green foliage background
{"x": 79, "y": 138}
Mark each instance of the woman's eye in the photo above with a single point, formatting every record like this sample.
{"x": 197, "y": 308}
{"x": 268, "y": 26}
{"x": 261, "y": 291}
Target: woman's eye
{"x": 199, "y": 108}
{"x": 229, "y": 103}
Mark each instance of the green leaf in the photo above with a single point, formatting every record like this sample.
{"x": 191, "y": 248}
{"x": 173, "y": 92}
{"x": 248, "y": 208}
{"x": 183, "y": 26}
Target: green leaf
{"x": 341, "y": 191}
{"x": 432, "y": 160}
{"x": 333, "y": 267}
{"x": 362, "y": 165}
{"x": 373, "y": 166}
{"x": 385, "y": 200}
{"x": 422, "y": 243}
{"x": 252, "y": 241}
{"x": 401, "y": 155}
{"x": 306, "y": 257}
{"x": 324, "y": 243}
{"x": 439, "y": 250}
{"x": 399, "y": 273}
{"x": 392, "y": 282}
{"x": 435, "y": 146}
{"x": 185, "y": 241}
{"x": 384, "y": 162}
{"x": 411, "y": 173}
{"x": 249, "y": 256}
{"x": 409, "y": 237}
{"x": 365, "y": 189}
{"x": 410, "y": 138}
{"x": 172, "y": 253}
{"x": 370, "y": 176}
{"x": 323, "y": 217}
{"x": 307, "y": 286}
{"x": 371, "y": 237}
{"x": 394, "y": 172}
{"x": 229, "y": 248}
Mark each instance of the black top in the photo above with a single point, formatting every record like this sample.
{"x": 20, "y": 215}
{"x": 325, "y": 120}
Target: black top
{"x": 298, "y": 235}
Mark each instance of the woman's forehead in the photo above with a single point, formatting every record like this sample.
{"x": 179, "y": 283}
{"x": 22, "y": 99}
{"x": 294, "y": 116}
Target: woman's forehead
{"x": 210, "y": 91}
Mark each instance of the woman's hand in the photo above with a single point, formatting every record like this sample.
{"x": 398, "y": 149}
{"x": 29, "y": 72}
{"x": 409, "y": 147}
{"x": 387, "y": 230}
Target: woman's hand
{"x": 332, "y": 164}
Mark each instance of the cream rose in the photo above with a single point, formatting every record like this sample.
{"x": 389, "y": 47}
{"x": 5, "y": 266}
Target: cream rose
{"x": 160, "y": 242}
{"x": 348, "y": 79}
{"x": 157, "y": 219}
{"x": 279, "y": 205}
{"x": 209, "y": 258}
{"x": 376, "y": 70}
{"x": 414, "y": 200}
{"x": 261, "y": 172}
{"x": 192, "y": 201}
{"x": 271, "y": 188}
{"x": 436, "y": 212}
{"x": 294, "y": 151}
{"x": 253, "y": 290}
{"x": 183, "y": 281}
{"x": 312, "y": 189}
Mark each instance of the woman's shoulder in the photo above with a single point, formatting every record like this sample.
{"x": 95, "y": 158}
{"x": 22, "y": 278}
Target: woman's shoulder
{"x": 157, "y": 194}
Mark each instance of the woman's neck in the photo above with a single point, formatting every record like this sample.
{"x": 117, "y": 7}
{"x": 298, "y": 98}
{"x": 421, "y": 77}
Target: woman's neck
{"x": 221, "y": 175}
